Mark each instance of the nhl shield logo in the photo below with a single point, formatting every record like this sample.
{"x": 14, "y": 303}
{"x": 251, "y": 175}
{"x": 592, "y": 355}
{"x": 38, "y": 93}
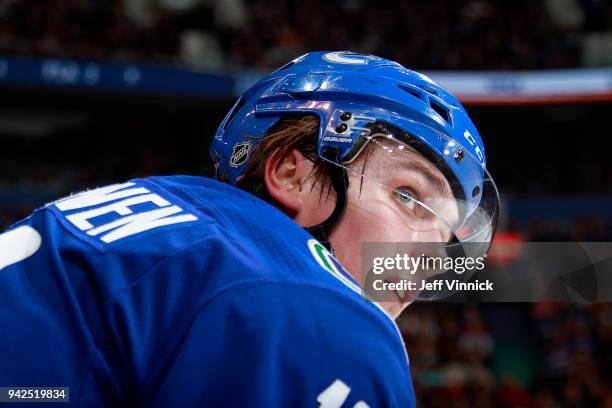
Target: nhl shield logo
{"x": 240, "y": 154}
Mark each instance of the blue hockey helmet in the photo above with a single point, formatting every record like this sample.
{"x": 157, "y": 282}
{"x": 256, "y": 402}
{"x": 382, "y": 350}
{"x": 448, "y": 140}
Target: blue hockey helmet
{"x": 360, "y": 99}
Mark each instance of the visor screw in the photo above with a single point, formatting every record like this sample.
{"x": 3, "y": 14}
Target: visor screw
{"x": 341, "y": 128}
{"x": 459, "y": 156}
{"x": 346, "y": 115}
{"x": 475, "y": 191}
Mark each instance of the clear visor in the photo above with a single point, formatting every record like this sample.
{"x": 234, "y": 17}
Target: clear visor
{"x": 406, "y": 198}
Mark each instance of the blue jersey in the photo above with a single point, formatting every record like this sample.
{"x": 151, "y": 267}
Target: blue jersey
{"x": 183, "y": 291}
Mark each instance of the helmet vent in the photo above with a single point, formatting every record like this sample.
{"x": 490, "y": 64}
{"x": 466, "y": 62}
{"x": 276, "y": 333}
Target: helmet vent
{"x": 441, "y": 110}
{"x": 430, "y": 90}
{"x": 417, "y": 94}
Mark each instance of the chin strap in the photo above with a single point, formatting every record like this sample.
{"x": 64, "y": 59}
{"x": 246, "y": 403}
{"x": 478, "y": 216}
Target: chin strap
{"x": 339, "y": 180}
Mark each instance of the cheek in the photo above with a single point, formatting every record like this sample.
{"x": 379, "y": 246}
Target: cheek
{"x": 358, "y": 225}
{"x": 373, "y": 218}
{"x": 355, "y": 225}
{"x": 346, "y": 239}
{"x": 316, "y": 208}
{"x": 369, "y": 223}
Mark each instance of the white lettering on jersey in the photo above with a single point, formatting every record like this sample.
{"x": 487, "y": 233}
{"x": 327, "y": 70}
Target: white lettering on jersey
{"x": 80, "y": 219}
{"x": 335, "y": 395}
{"x": 128, "y": 221}
{"x": 98, "y": 196}
{"x": 18, "y": 244}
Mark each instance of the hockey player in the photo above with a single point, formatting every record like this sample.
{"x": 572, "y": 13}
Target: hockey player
{"x": 185, "y": 291}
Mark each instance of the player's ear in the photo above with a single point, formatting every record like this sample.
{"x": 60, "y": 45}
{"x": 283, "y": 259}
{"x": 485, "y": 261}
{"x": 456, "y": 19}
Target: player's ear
{"x": 285, "y": 177}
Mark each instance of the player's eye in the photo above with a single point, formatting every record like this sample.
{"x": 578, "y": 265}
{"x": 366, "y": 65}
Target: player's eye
{"x": 406, "y": 198}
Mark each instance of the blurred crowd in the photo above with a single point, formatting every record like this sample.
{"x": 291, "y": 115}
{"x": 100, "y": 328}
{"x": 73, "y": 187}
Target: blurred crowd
{"x": 522, "y": 355}
{"x": 260, "y": 34}
{"x": 585, "y": 228}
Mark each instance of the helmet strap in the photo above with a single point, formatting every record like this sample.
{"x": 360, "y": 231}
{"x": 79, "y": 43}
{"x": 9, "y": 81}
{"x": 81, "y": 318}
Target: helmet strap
{"x": 339, "y": 180}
